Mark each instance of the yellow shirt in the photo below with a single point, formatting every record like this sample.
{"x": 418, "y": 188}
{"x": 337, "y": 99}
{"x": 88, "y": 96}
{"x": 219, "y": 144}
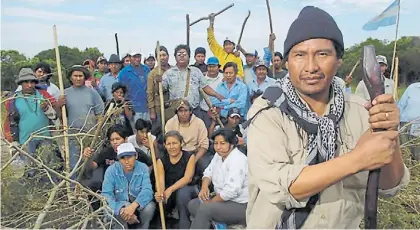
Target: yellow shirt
{"x": 221, "y": 54}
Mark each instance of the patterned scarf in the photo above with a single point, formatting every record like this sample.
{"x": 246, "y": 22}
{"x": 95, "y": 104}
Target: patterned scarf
{"x": 322, "y": 135}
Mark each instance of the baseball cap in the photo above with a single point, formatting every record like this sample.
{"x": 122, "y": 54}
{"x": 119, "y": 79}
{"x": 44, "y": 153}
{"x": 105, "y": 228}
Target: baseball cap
{"x": 126, "y": 149}
{"x": 381, "y": 59}
{"x": 227, "y": 40}
{"x": 150, "y": 57}
{"x": 260, "y": 62}
{"x": 234, "y": 112}
{"x": 255, "y": 54}
{"x": 183, "y": 104}
{"x": 101, "y": 58}
{"x": 135, "y": 53}
{"x": 213, "y": 61}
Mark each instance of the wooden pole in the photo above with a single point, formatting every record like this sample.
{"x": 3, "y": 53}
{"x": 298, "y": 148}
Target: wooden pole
{"x": 243, "y": 27}
{"x": 188, "y": 29}
{"x": 63, "y": 108}
{"x": 206, "y": 18}
{"x": 271, "y": 31}
{"x": 396, "y": 39}
{"x": 158, "y": 188}
{"x": 396, "y": 78}
{"x": 354, "y": 68}
{"x": 209, "y": 104}
{"x": 118, "y": 46}
{"x": 162, "y": 102}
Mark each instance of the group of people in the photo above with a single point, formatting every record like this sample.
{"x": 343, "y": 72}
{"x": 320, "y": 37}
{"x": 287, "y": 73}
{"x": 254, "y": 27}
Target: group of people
{"x": 307, "y": 136}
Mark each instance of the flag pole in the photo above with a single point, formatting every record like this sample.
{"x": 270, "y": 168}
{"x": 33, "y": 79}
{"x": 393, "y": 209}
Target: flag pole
{"x": 396, "y": 39}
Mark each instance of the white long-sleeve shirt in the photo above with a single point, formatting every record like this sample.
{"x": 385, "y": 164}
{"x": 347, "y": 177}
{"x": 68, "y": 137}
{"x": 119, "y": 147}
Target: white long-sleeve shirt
{"x": 230, "y": 177}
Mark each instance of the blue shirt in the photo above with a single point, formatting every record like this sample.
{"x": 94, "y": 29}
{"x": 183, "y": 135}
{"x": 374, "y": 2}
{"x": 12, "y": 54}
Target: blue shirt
{"x": 238, "y": 92}
{"x": 135, "y": 79}
{"x": 128, "y": 175}
{"x": 409, "y": 106}
{"x": 105, "y": 86}
{"x": 116, "y": 188}
{"x": 254, "y": 87}
{"x": 31, "y": 117}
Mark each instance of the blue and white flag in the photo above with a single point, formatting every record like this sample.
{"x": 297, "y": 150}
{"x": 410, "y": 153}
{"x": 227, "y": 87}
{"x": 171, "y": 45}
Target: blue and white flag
{"x": 387, "y": 18}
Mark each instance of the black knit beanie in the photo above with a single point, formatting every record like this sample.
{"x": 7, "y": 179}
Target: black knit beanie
{"x": 313, "y": 22}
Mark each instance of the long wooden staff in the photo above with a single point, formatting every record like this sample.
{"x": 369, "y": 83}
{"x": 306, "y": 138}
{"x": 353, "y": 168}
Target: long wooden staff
{"x": 98, "y": 130}
{"x": 118, "y": 46}
{"x": 271, "y": 31}
{"x": 158, "y": 188}
{"x": 206, "y": 18}
{"x": 243, "y": 27}
{"x": 396, "y": 78}
{"x": 162, "y": 103}
{"x": 188, "y": 29}
{"x": 354, "y": 68}
{"x": 210, "y": 105}
{"x": 63, "y": 108}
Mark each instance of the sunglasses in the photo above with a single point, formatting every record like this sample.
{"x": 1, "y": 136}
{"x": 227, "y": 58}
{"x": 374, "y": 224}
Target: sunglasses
{"x": 181, "y": 54}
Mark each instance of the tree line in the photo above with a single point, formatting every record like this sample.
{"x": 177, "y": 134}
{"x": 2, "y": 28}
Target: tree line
{"x": 408, "y": 52}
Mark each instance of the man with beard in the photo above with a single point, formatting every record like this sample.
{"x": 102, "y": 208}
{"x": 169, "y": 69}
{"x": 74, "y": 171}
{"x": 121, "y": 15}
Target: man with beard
{"x": 310, "y": 146}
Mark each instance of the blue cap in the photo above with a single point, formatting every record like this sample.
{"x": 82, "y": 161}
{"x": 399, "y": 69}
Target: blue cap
{"x": 212, "y": 61}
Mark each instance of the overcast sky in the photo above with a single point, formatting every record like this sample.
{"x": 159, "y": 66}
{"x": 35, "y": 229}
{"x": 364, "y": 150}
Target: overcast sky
{"x": 26, "y": 25}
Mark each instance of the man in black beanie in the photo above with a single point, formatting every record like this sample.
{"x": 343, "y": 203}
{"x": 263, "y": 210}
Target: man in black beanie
{"x": 200, "y": 57}
{"x": 310, "y": 146}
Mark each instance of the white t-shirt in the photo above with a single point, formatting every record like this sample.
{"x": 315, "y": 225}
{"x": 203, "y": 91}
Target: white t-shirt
{"x": 52, "y": 89}
{"x": 213, "y": 83}
{"x": 132, "y": 139}
{"x": 229, "y": 177}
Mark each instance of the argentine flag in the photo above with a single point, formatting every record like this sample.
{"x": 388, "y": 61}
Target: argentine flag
{"x": 387, "y": 18}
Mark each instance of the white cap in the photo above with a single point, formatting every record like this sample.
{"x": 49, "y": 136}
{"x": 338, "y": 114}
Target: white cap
{"x": 126, "y": 149}
{"x": 135, "y": 53}
{"x": 381, "y": 59}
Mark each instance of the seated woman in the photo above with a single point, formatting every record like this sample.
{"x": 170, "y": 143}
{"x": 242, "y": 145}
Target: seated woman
{"x": 228, "y": 172}
{"x": 127, "y": 189}
{"x": 140, "y": 139}
{"x": 116, "y": 135}
{"x": 176, "y": 171}
{"x": 126, "y": 113}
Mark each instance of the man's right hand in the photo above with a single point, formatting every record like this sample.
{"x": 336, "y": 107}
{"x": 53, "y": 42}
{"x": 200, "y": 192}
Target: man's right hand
{"x": 272, "y": 37}
{"x": 211, "y": 18}
{"x": 375, "y": 149}
{"x": 232, "y": 101}
{"x": 158, "y": 78}
{"x": 87, "y": 152}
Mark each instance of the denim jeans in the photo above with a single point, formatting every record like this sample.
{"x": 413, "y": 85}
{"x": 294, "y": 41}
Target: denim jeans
{"x": 144, "y": 216}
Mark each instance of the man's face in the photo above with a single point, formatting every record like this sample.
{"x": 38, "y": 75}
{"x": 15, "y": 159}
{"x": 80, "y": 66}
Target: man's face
{"x": 150, "y": 62}
{"x": 164, "y": 58}
{"x": 102, "y": 66}
{"x": 234, "y": 121}
{"x": 141, "y": 135}
{"x": 78, "y": 78}
{"x": 229, "y": 75}
{"x": 199, "y": 58}
{"x": 277, "y": 62}
{"x": 118, "y": 94}
{"x": 261, "y": 72}
{"x": 127, "y": 61}
{"x": 228, "y": 47}
{"x": 213, "y": 70}
{"x": 184, "y": 115}
{"x": 128, "y": 162}
{"x": 384, "y": 67}
{"x": 114, "y": 67}
{"x": 312, "y": 65}
{"x": 39, "y": 73}
{"x": 250, "y": 60}
{"x": 136, "y": 60}
{"x": 28, "y": 87}
{"x": 182, "y": 57}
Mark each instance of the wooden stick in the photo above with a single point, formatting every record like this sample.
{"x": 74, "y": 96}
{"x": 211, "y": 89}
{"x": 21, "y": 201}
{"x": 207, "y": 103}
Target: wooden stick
{"x": 397, "y": 61}
{"x": 354, "y": 68}
{"x": 207, "y": 18}
{"x": 63, "y": 108}
{"x": 271, "y": 31}
{"x": 158, "y": 188}
{"x": 162, "y": 102}
{"x": 243, "y": 27}
{"x": 188, "y": 29}
{"x": 98, "y": 130}
{"x": 396, "y": 40}
{"x": 118, "y": 46}
{"x": 210, "y": 105}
